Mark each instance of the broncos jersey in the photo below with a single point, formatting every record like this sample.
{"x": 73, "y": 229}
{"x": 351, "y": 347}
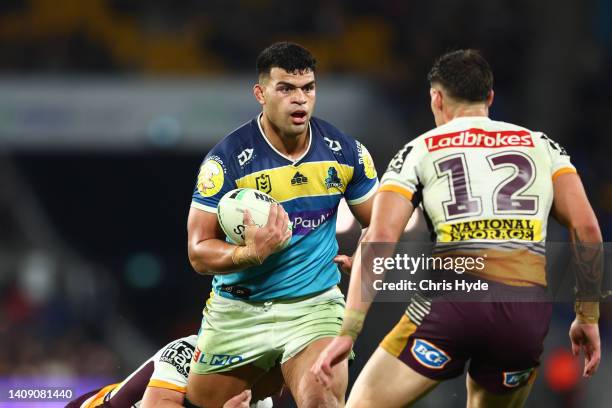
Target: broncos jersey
{"x": 485, "y": 186}
{"x": 310, "y": 188}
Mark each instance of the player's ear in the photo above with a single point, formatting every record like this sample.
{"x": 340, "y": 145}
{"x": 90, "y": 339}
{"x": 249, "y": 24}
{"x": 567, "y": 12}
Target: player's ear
{"x": 258, "y": 91}
{"x": 490, "y": 98}
{"x": 436, "y": 99}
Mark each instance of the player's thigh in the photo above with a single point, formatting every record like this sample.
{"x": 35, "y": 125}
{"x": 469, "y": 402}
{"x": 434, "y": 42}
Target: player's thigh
{"x": 269, "y": 385}
{"x": 302, "y": 383}
{"x": 385, "y": 381}
{"x": 212, "y": 390}
{"x": 479, "y": 397}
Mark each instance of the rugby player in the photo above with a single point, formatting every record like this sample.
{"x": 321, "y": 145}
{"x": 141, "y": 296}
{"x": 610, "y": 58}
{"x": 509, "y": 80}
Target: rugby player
{"x": 161, "y": 380}
{"x": 270, "y": 305}
{"x": 485, "y": 186}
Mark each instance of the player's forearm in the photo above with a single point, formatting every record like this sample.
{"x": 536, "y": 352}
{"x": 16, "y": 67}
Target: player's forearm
{"x": 587, "y": 252}
{"x": 213, "y": 257}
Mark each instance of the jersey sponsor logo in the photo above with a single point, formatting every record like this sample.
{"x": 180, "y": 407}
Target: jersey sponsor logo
{"x": 334, "y": 145}
{"x": 365, "y": 159}
{"x": 216, "y": 359}
{"x": 298, "y": 179}
{"x": 429, "y": 355}
{"x": 554, "y": 145}
{"x": 514, "y": 379}
{"x": 307, "y": 221}
{"x": 480, "y": 138}
{"x": 495, "y": 229}
{"x": 245, "y": 156}
{"x": 264, "y": 183}
{"x": 210, "y": 178}
{"x": 398, "y": 160}
{"x": 179, "y": 355}
{"x": 332, "y": 180}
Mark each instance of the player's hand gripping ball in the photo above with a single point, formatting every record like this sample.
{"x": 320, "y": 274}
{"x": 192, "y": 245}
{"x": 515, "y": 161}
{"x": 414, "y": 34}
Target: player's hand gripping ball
{"x": 230, "y": 212}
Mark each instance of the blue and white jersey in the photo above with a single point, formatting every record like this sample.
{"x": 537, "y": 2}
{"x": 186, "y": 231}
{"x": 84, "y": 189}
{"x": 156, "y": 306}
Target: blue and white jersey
{"x": 334, "y": 166}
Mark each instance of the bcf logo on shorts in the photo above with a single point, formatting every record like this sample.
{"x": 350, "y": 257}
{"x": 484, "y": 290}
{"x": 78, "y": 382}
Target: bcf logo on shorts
{"x": 515, "y": 378}
{"x": 429, "y": 355}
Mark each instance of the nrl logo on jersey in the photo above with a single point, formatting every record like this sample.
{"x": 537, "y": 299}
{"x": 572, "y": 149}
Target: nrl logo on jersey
{"x": 263, "y": 183}
{"x": 245, "y": 156}
{"x": 334, "y": 145}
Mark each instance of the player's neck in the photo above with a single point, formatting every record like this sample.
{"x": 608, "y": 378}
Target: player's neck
{"x": 461, "y": 111}
{"x": 288, "y": 145}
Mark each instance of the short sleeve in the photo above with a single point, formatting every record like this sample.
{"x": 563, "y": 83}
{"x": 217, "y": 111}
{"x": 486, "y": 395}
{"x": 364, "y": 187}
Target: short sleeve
{"x": 560, "y": 160}
{"x": 215, "y": 178}
{"x": 401, "y": 175}
{"x": 172, "y": 366}
{"x": 364, "y": 182}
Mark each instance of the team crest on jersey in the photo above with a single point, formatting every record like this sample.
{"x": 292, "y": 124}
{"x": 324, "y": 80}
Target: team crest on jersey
{"x": 366, "y": 159}
{"x": 398, "y": 160}
{"x": 514, "y": 379}
{"x": 429, "y": 355}
{"x": 245, "y": 156}
{"x": 332, "y": 180}
{"x": 264, "y": 183}
{"x": 210, "y": 178}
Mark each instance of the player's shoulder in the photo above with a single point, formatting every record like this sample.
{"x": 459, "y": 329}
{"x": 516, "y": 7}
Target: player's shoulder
{"x": 332, "y": 136}
{"x": 235, "y": 140}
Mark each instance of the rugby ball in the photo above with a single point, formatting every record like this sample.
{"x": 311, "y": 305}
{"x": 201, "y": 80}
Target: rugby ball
{"x": 230, "y": 211}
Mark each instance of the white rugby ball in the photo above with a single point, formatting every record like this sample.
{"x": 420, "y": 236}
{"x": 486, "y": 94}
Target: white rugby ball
{"x": 230, "y": 211}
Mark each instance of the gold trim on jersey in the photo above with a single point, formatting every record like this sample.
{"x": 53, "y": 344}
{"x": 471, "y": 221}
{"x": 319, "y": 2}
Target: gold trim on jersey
{"x": 98, "y": 399}
{"x": 492, "y": 229}
{"x": 396, "y": 341}
{"x": 397, "y": 189}
{"x": 167, "y": 385}
{"x": 315, "y": 179}
{"x": 516, "y": 267}
{"x": 563, "y": 170}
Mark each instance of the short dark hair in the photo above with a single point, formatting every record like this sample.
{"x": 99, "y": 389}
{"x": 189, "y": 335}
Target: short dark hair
{"x": 464, "y": 74}
{"x": 289, "y": 56}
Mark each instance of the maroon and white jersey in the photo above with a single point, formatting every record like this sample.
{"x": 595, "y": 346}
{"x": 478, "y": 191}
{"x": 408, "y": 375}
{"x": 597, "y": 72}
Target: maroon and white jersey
{"x": 484, "y": 185}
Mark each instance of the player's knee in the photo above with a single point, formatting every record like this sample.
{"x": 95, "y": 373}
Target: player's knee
{"x": 319, "y": 400}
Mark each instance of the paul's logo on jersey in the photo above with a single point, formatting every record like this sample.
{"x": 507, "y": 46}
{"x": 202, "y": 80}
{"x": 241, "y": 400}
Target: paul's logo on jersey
{"x": 334, "y": 145}
{"x": 210, "y": 178}
{"x": 263, "y": 183}
{"x": 298, "y": 179}
{"x": 514, "y": 379}
{"x": 307, "y": 221}
{"x": 332, "y": 180}
{"x": 429, "y": 355}
{"x": 480, "y": 138}
{"x": 245, "y": 156}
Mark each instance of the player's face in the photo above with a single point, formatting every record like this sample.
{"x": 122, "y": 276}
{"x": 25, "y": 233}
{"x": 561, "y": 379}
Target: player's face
{"x": 288, "y": 100}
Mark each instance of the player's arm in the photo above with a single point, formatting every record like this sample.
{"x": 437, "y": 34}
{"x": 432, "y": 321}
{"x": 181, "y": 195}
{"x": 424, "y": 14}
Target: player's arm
{"x": 571, "y": 208}
{"x": 156, "y": 397}
{"x": 390, "y": 214}
{"x": 210, "y": 254}
{"x": 363, "y": 213}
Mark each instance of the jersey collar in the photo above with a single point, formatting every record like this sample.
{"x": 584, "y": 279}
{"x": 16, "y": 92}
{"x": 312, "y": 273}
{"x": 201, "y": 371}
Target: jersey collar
{"x": 289, "y": 159}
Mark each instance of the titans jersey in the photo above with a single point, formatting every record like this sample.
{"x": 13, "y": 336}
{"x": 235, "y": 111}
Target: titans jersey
{"x": 485, "y": 186}
{"x": 309, "y": 189}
